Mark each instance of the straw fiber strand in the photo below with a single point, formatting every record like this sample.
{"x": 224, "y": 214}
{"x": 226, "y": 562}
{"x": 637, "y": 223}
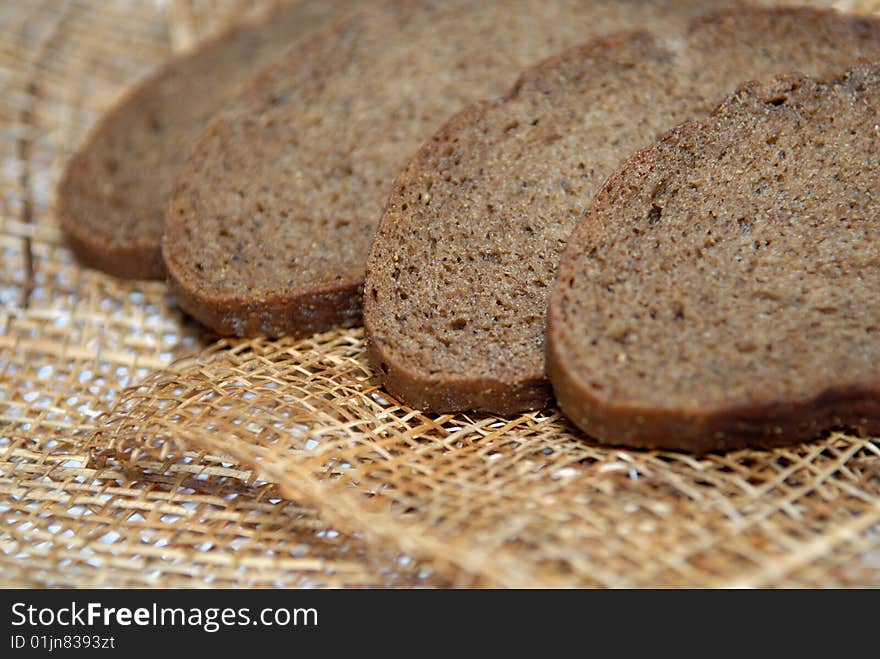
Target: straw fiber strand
{"x": 137, "y": 451}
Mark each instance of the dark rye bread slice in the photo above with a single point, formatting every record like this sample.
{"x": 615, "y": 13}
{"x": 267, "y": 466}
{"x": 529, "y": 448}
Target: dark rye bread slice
{"x": 723, "y": 289}
{"x": 269, "y": 229}
{"x": 113, "y": 194}
{"x": 459, "y": 275}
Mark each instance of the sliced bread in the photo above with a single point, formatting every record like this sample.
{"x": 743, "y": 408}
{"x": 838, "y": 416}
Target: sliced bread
{"x": 460, "y": 271}
{"x": 113, "y": 194}
{"x": 270, "y": 225}
{"x": 723, "y": 289}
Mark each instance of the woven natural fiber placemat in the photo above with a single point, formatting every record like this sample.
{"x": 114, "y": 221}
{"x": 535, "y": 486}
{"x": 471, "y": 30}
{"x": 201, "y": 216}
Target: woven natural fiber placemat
{"x": 136, "y": 452}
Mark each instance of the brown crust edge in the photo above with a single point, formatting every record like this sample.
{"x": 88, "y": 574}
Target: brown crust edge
{"x": 140, "y": 260}
{"x": 485, "y": 395}
{"x": 769, "y": 425}
{"x": 296, "y": 316}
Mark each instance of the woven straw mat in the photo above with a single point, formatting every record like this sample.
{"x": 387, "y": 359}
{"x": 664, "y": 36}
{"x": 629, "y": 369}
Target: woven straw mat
{"x": 137, "y": 451}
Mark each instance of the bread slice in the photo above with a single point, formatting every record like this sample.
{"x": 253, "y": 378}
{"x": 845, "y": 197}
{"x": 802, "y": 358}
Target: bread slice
{"x": 113, "y": 194}
{"x": 723, "y": 289}
{"x": 460, "y": 272}
{"x": 269, "y": 228}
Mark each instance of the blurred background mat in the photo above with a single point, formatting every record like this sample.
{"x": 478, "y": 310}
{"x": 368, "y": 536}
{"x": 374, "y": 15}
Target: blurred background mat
{"x": 137, "y": 451}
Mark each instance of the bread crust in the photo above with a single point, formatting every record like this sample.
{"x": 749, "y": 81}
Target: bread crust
{"x": 136, "y": 260}
{"x": 299, "y": 315}
{"x": 773, "y": 424}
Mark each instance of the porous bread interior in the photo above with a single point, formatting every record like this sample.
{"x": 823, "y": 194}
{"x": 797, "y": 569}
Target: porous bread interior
{"x": 738, "y": 262}
{"x": 460, "y": 271}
